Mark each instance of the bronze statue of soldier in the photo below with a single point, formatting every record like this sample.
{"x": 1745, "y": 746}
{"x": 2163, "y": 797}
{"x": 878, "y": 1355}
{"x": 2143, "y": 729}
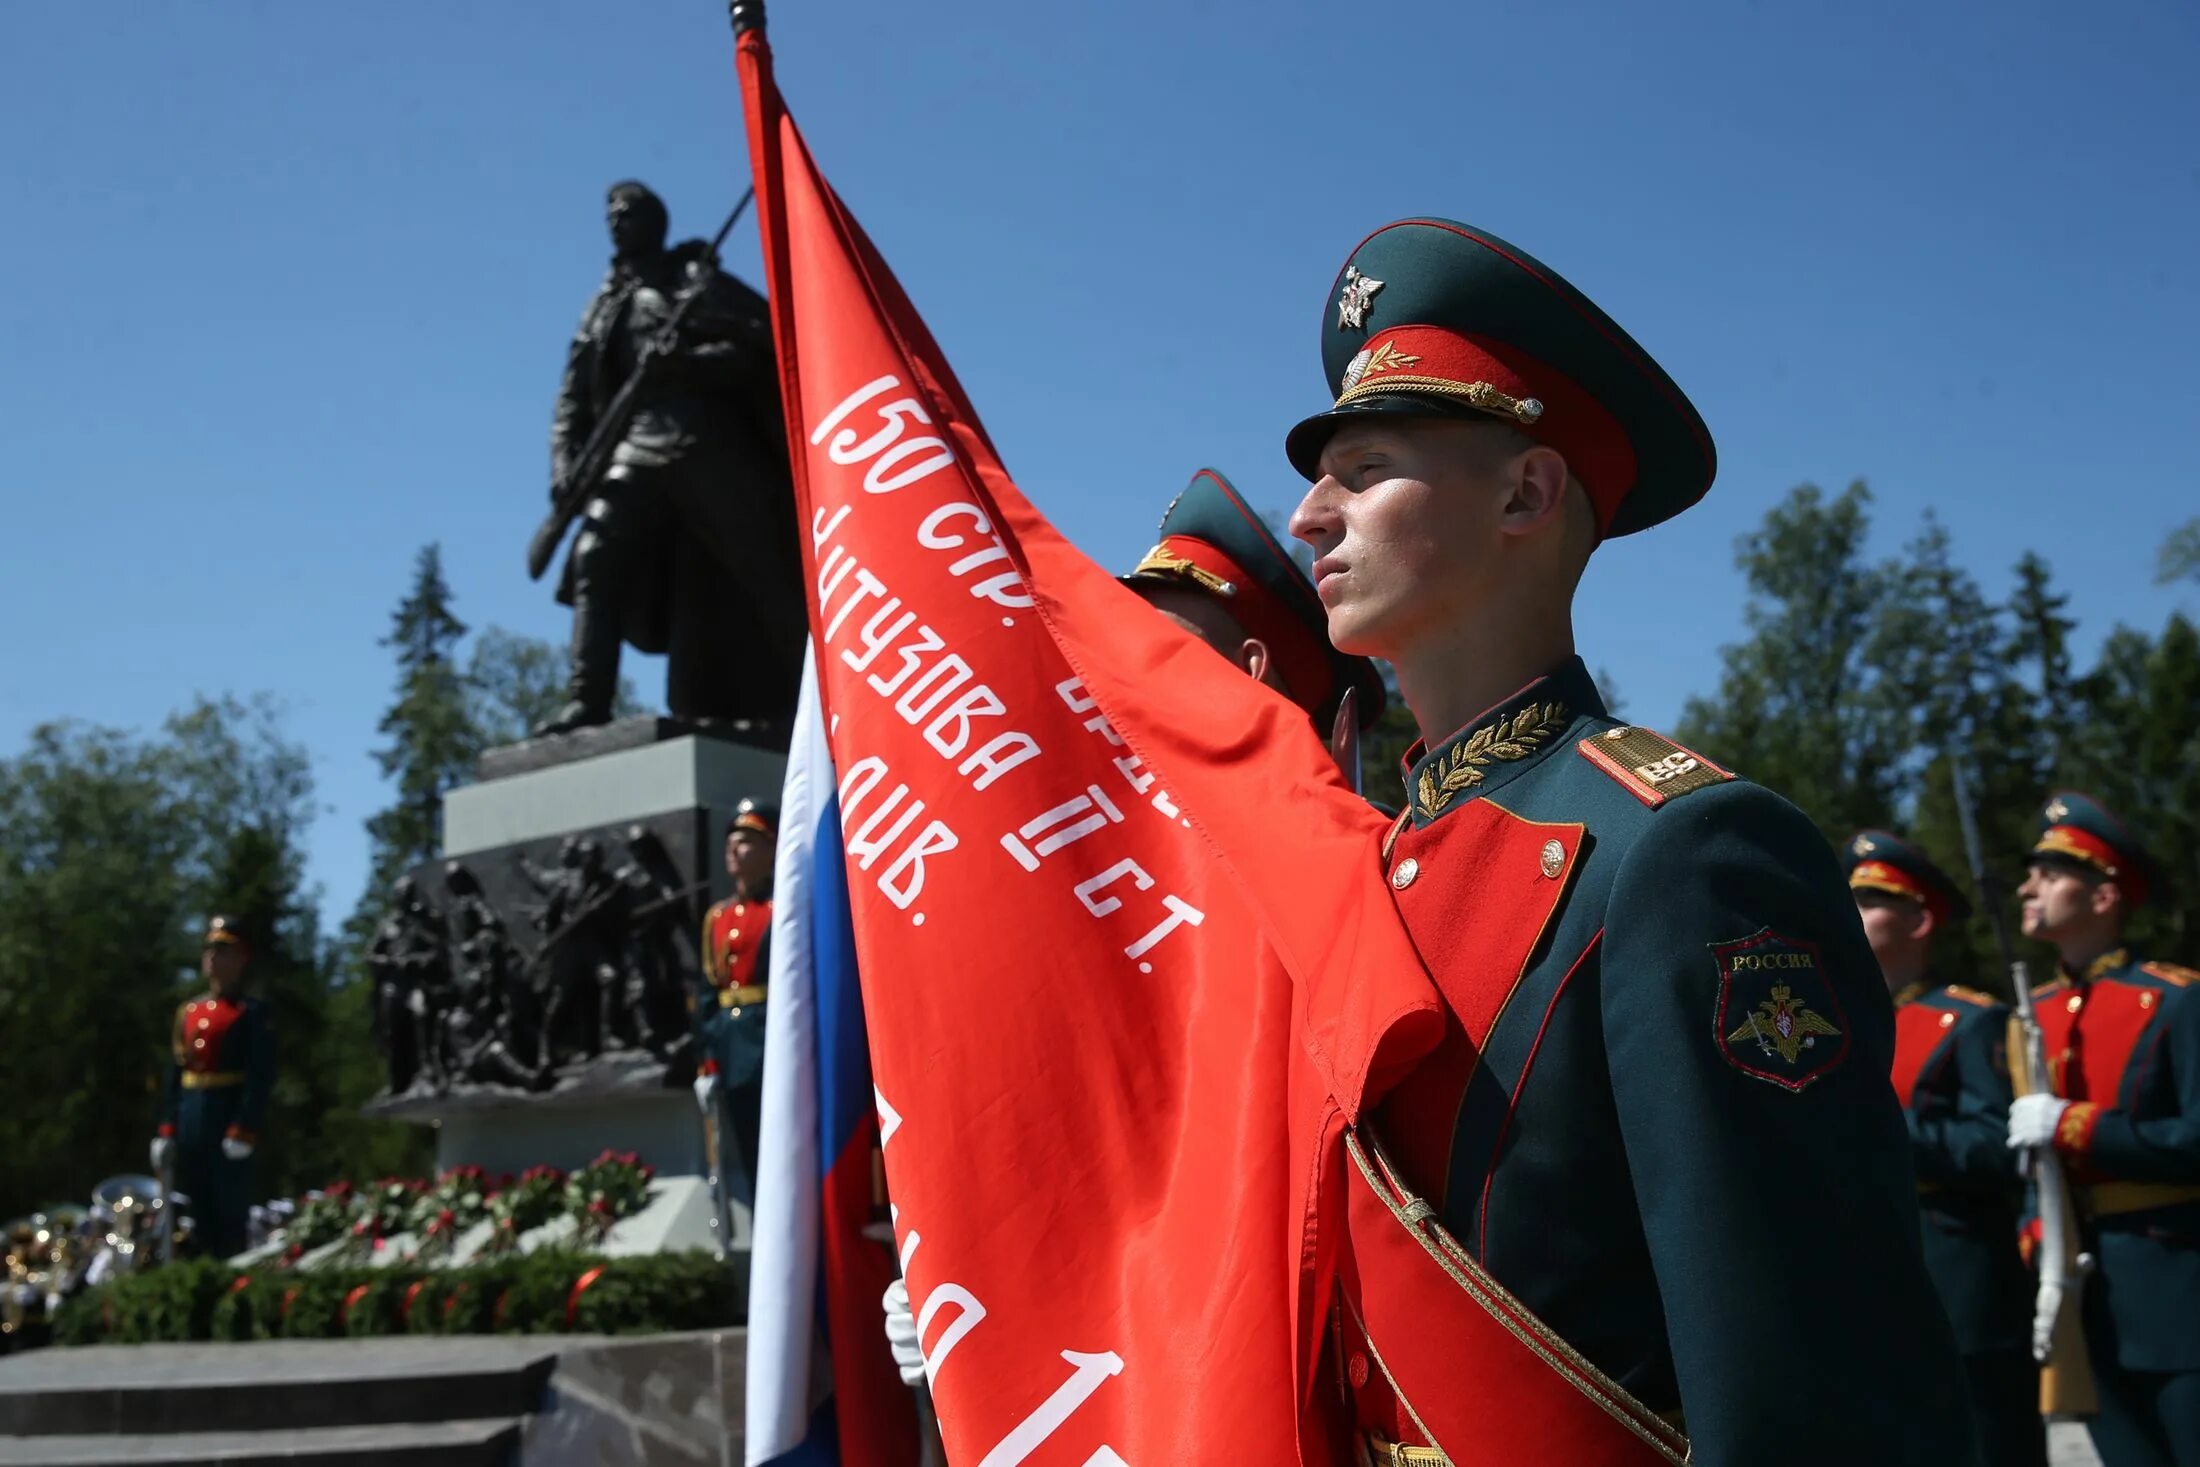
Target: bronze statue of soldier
{"x": 687, "y": 538}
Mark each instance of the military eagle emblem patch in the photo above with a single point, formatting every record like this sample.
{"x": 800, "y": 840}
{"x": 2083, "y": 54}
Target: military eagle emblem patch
{"x": 1777, "y": 1018}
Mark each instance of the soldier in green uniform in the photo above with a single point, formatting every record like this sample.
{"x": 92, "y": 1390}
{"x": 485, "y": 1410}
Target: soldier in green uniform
{"x": 1951, "y": 1073}
{"x": 2122, "y": 1043}
{"x": 1220, "y": 575}
{"x": 729, "y": 1006}
{"x": 216, "y": 1100}
{"x": 1659, "y": 1121}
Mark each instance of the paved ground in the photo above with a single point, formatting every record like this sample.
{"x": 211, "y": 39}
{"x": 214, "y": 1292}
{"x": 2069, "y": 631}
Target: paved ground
{"x": 2069, "y": 1446}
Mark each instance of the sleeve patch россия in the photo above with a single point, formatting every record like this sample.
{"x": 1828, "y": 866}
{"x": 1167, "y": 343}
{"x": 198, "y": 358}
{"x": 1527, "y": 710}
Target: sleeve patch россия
{"x": 1777, "y": 1017}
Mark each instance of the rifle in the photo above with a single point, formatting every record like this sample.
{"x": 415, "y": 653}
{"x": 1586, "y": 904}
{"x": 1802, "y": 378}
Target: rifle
{"x": 2058, "y": 1327}
{"x": 587, "y": 467}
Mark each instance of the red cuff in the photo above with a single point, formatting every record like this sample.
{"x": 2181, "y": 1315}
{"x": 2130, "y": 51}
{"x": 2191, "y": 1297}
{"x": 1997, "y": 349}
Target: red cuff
{"x": 167, "y": 1129}
{"x": 2028, "y": 1240}
{"x": 2074, "y": 1132}
{"x": 707, "y": 1067}
{"x": 239, "y": 1133}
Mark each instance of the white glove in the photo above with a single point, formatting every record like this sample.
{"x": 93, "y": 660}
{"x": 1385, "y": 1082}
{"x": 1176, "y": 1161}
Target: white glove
{"x": 234, "y": 1149}
{"x": 706, "y": 1089}
{"x": 162, "y": 1147}
{"x": 2033, "y": 1119}
{"x": 901, "y": 1334}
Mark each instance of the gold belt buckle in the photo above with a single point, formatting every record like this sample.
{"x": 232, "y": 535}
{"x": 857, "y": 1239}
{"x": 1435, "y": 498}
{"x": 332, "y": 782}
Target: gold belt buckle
{"x": 1392, "y": 1454}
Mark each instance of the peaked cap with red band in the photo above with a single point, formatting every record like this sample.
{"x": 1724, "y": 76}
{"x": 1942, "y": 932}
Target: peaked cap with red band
{"x": 1432, "y": 318}
{"x": 752, "y": 814}
{"x": 1213, "y": 542}
{"x": 2079, "y": 832}
{"x": 1876, "y": 860}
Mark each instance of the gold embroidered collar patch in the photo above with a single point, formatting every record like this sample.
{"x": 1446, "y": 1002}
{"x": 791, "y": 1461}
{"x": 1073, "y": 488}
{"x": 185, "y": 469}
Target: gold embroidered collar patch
{"x": 1467, "y": 762}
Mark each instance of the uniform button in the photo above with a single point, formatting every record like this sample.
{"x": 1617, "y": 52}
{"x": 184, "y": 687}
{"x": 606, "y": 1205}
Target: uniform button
{"x": 1402, "y": 878}
{"x": 734, "y": 936}
{"x": 1554, "y": 858}
{"x": 1356, "y": 1369}
{"x": 2076, "y": 1003}
{"x": 206, "y": 1023}
{"x": 2146, "y": 1000}
{"x": 1946, "y": 1020}
{"x": 198, "y": 1044}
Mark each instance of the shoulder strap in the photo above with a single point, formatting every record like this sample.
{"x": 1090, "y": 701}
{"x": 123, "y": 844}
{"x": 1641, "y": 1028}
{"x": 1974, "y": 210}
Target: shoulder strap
{"x": 1650, "y": 766}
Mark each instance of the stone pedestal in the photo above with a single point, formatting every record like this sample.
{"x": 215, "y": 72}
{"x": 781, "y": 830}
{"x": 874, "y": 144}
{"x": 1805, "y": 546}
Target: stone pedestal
{"x": 688, "y": 774}
{"x": 603, "y": 1006}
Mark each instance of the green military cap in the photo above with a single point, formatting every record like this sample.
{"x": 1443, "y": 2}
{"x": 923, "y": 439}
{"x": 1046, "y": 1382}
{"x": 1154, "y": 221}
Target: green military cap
{"x": 1212, "y": 541}
{"x": 2079, "y": 831}
{"x": 757, "y": 815}
{"x": 1432, "y": 318}
{"x": 1877, "y": 860}
{"x": 220, "y": 930}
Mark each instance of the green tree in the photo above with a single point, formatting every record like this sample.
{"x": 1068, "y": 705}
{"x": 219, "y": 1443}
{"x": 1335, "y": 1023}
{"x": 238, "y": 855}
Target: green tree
{"x": 433, "y": 742}
{"x": 515, "y": 682}
{"x": 114, "y": 848}
{"x": 2136, "y": 744}
{"x": 2179, "y": 557}
{"x": 1796, "y": 708}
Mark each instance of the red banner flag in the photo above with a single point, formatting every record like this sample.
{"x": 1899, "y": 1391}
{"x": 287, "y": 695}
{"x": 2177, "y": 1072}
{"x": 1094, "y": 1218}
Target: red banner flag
{"x": 1109, "y": 1112}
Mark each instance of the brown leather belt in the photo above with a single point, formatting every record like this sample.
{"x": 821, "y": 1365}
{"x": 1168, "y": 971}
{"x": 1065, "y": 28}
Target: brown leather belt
{"x": 212, "y": 1079}
{"x": 2108, "y": 1199}
{"x": 742, "y": 997}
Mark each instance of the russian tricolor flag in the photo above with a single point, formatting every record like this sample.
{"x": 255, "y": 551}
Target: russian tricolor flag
{"x": 822, "y": 1387}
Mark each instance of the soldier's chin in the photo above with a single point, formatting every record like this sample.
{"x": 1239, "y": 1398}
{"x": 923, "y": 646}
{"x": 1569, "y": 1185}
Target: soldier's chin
{"x": 1357, "y": 630}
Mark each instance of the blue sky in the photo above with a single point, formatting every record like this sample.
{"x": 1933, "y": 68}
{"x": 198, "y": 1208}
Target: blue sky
{"x": 288, "y": 285}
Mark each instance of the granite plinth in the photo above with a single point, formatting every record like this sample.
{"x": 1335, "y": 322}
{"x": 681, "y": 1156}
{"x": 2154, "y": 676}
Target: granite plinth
{"x": 609, "y": 738}
{"x": 617, "y": 1102}
{"x": 635, "y": 782}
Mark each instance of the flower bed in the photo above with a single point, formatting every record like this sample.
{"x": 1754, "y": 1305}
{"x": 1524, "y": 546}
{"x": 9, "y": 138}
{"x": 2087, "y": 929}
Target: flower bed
{"x": 434, "y": 1215}
{"x": 540, "y": 1293}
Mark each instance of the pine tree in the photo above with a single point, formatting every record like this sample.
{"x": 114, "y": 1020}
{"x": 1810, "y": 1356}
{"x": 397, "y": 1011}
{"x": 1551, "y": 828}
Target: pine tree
{"x": 432, "y": 738}
{"x": 1795, "y": 709}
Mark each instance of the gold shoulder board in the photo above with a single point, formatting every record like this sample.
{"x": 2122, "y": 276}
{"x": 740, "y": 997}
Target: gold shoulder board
{"x": 2042, "y": 990}
{"x": 2175, "y": 973}
{"x": 1971, "y": 995}
{"x": 1651, "y": 766}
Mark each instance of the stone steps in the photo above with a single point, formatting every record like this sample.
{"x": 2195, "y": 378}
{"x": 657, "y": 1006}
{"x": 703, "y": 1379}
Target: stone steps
{"x": 669, "y": 1400}
{"x": 414, "y": 1444}
{"x": 457, "y": 1402}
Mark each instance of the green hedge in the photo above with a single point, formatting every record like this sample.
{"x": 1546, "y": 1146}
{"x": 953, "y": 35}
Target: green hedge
{"x": 208, "y": 1300}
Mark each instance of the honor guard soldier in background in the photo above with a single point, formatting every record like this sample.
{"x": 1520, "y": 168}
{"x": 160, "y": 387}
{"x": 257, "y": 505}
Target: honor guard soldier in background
{"x": 1951, "y": 1073}
{"x": 1219, "y": 574}
{"x": 1654, "y": 1172}
{"x": 2122, "y": 1041}
{"x": 729, "y": 1019}
{"x": 217, "y": 1094}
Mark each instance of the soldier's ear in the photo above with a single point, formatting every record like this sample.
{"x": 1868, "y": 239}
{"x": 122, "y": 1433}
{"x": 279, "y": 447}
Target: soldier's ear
{"x": 2107, "y": 897}
{"x": 1258, "y": 662}
{"x": 1925, "y": 924}
{"x": 1538, "y": 496}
